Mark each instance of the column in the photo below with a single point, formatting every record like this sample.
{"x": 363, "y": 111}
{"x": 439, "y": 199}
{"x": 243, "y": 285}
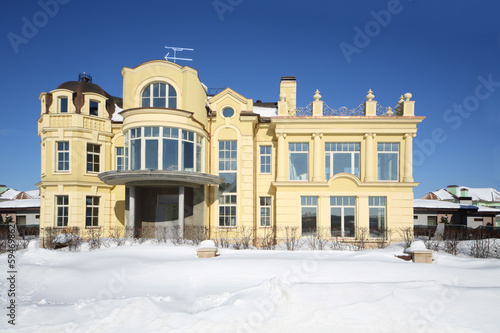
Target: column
{"x": 181, "y": 210}
{"x": 408, "y": 157}
{"x": 317, "y": 157}
{"x": 131, "y": 211}
{"x": 281, "y": 160}
{"x": 369, "y": 157}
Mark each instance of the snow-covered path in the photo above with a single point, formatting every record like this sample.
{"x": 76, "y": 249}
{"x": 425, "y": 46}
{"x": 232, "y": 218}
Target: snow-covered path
{"x": 165, "y": 288}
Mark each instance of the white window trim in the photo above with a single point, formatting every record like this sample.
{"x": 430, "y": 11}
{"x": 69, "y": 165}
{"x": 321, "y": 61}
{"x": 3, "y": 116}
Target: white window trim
{"x": 353, "y": 159}
{"x": 92, "y": 206}
{"x": 270, "y": 160}
{"x": 397, "y": 163}
{"x": 56, "y": 210}
{"x": 99, "y": 154}
{"x": 270, "y": 213}
{"x": 342, "y": 222}
{"x": 290, "y": 152}
{"x": 56, "y": 157}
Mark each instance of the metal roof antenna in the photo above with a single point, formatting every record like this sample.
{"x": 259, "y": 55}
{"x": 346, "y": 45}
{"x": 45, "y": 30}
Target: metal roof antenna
{"x": 174, "y": 58}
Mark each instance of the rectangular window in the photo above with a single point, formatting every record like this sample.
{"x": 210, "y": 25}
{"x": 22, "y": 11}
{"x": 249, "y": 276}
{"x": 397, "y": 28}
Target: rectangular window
{"x": 265, "y": 159}
{"x": 93, "y": 157}
{"x": 135, "y": 148}
{"x": 298, "y": 161}
{"x": 21, "y": 220}
{"x": 199, "y": 146}
{"x": 62, "y": 208}
{"x": 63, "y": 104}
{"x": 228, "y": 189}
{"x": 341, "y": 157}
{"x": 91, "y": 211}
{"x": 227, "y": 210}
{"x": 94, "y": 108}
{"x": 343, "y": 216}
{"x": 120, "y": 158}
{"x": 227, "y": 156}
{"x": 265, "y": 211}
{"x": 388, "y": 161}
{"x": 377, "y": 212}
{"x": 309, "y": 207}
{"x": 62, "y": 156}
{"x": 432, "y": 220}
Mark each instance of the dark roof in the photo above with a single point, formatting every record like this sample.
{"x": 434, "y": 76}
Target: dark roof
{"x": 80, "y": 87}
{"x": 266, "y": 104}
{"x": 288, "y": 78}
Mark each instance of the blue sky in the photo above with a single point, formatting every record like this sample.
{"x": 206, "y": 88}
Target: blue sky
{"x": 446, "y": 53}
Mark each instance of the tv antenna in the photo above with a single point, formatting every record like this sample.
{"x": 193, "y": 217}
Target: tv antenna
{"x": 174, "y": 58}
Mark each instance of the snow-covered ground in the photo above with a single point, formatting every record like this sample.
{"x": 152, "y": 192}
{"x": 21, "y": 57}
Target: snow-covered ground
{"x": 166, "y": 288}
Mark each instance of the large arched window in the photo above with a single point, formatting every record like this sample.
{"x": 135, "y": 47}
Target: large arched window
{"x": 159, "y": 95}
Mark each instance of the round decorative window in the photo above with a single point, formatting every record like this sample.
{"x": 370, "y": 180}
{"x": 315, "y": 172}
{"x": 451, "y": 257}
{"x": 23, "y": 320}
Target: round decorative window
{"x": 228, "y": 112}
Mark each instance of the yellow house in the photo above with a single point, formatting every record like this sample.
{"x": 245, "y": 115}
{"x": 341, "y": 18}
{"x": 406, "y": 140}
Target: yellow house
{"x": 172, "y": 155}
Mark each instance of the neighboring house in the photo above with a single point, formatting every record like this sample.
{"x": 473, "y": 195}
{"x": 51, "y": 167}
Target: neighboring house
{"x": 479, "y": 196}
{"x": 3, "y": 188}
{"x": 169, "y": 154}
{"x": 23, "y": 207}
{"x": 430, "y": 212}
{"x": 484, "y": 197}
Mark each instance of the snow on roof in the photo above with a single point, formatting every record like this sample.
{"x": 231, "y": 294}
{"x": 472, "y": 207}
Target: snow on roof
{"x": 442, "y": 194}
{"x": 482, "y": 194}
{"x": 22, "y": 203}
{"x": 422, "y": 203}
{"x": 265, "y": 112}
{"x": 9, "y": 194}
{"x": 484, "y": 209}
{"x": 34, "y": 194}
{"x": 116, "y": 116}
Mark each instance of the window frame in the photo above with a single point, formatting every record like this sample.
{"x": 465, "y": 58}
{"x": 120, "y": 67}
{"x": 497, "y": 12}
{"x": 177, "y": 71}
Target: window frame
{"x": 265, "y": 208}
{"x": 308, "y": 202}
{"x": 136, "y": 141}
{"x": 267, "y": 165}
{"x": 120, "y": 159}
{"x": 329, "y": 156}
{"x": 65, "y": 209}
{"x": 345, "y": 203}
{"x": 170, "y": 101}
{"x": 92, "y": 206}
{"x": 60, "y": 105}
{"x": 96, "y": 108}
{"x": 388, "y": 152}
{"x": 228, "y": 164}
{"x": 298, "y": 152}
{"x": 65, "y": 153}
{"x": 93, "y": 163}
{"x": 374, "y": 202}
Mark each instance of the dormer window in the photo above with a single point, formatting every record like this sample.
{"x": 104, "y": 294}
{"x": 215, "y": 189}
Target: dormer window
{"x": 159, "y": 95}
{"x": 94, "y": 108}
{"x": 63, "y": 104}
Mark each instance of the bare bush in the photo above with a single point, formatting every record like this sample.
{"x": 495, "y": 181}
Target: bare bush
{"x": 431, "y": 245}
{"x": 406, "y": 235}
{"x": 116, "y": 236}
{"x": 320, "y": 242}
{"x": 221, "y": 238}
{"x": 196, "y": 234}
{"x": 93, "y": 238}
{"x": 245, "y": 239}
{"x": 385, "y": 240}
{"x": 292, "y": 238}
{"x": 361, "y": 238}
{"x": 269, "y": 241}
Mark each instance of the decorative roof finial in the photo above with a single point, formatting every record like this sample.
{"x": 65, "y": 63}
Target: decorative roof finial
{"x": 401, "y": 100}
{"x": 389, "y": 111}
{"x": 408, "y": 96}
{"x": 317, "y": 96}
{"x": 282, "y": 97}
{"x": 370, "y": 95}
